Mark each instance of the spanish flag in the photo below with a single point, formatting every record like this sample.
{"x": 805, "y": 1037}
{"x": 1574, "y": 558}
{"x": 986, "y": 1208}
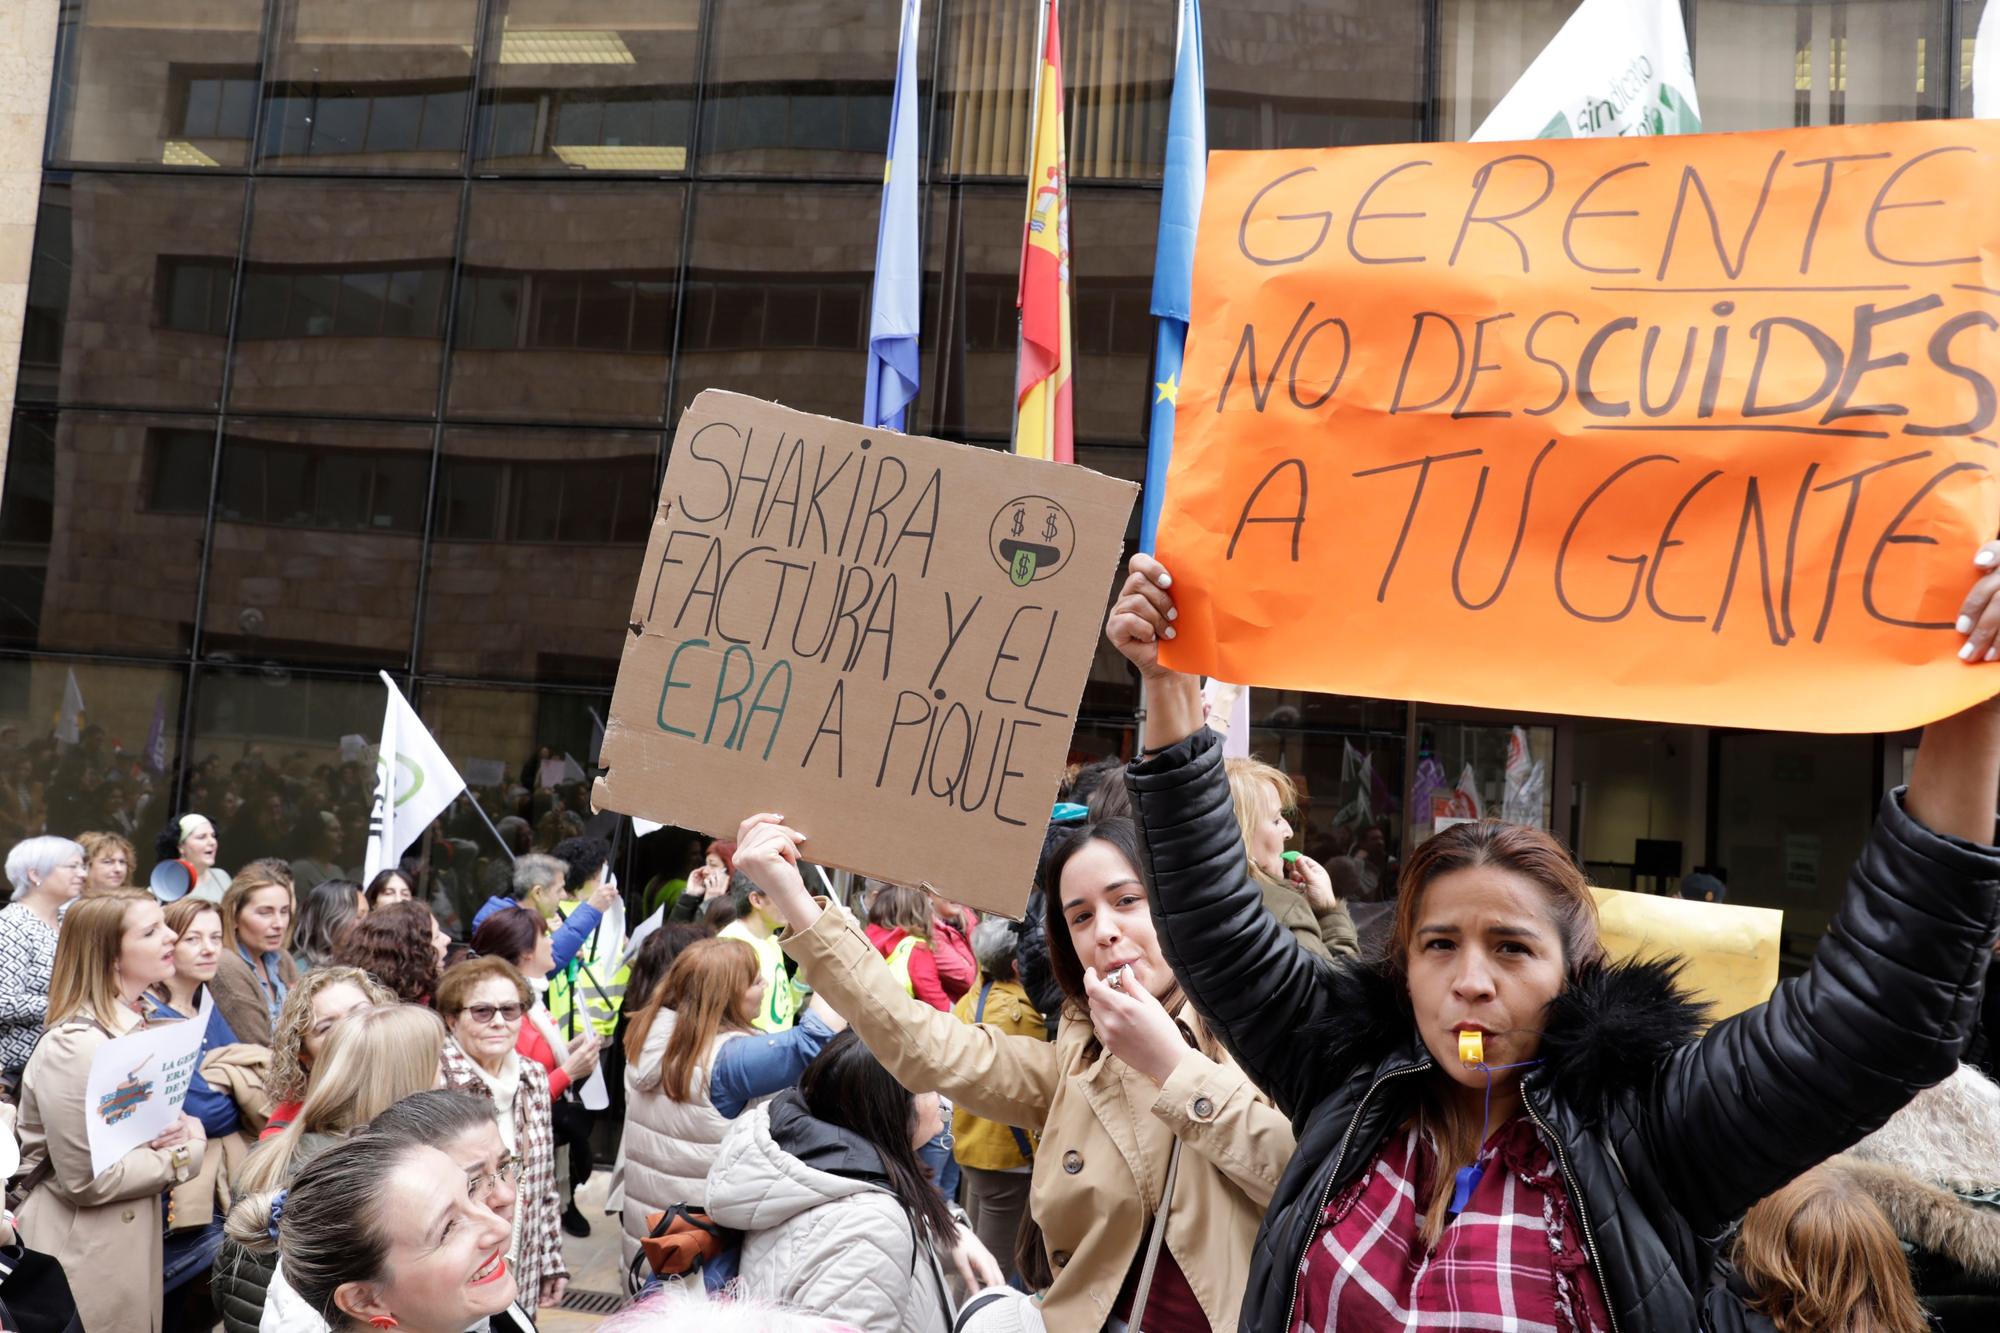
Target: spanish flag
{"x": 1041, "y": 389}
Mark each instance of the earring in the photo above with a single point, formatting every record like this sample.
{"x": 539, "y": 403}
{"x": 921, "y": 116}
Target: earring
{"x": 383, "y": 1321}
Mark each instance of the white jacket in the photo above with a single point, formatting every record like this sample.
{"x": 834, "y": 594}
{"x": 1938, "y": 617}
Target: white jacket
{"x": 839, "y": 1246}
{"x": 667, "y": 1146}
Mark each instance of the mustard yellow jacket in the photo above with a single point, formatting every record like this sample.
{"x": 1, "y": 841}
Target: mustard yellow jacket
{"x": 1106, "y": 1131}
{"x": 988, "y": 1145}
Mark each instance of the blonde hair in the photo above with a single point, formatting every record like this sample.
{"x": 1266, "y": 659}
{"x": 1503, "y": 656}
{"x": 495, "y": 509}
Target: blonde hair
{"x": 97, "y": 844}
{"x": 372, "y": 1061}
{"x": 257, "y": 875}
{"x": 287, "y": 1077}
{"x": 1823, "y": 1258}
{"x": 84, "y": 977}
{"x": 1251, "y": 783}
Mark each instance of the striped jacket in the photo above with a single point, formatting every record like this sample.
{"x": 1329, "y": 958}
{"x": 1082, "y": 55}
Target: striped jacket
{"x": 539, "y": 1207}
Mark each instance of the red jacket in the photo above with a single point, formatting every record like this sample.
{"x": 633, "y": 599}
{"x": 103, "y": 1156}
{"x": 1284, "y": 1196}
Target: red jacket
{"x": 958, "y": 970}
{"x": 924, "y": 981}
{"x": 534, "y": 1046}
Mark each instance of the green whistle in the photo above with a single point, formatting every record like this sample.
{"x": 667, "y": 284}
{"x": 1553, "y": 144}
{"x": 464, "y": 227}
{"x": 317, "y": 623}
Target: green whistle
{"x": 1289, "y": 857}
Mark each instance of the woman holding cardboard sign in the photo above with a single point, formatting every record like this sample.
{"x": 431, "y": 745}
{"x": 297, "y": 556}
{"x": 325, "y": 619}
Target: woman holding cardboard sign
{"x": 1157, "y": 1155}
{"x": 1497, "y": 1062}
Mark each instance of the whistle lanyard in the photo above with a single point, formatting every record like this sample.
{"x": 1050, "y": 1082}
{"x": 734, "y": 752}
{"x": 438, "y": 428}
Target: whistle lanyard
{"x": 1469, "y": 1176}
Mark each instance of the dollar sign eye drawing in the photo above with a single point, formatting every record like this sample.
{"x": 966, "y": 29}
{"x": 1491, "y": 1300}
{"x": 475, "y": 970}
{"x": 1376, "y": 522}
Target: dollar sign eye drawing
{"x": 1028, "y": 558}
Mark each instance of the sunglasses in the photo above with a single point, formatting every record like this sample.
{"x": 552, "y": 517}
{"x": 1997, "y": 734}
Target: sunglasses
{"x": 484, "y": 1013}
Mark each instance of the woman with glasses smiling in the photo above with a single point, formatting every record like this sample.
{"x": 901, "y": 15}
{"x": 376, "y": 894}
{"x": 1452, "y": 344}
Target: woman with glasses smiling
{"x": 484, "y": 1001}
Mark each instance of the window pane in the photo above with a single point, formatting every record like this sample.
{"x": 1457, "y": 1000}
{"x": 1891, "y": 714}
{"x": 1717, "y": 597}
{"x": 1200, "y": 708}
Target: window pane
{"x": 128, "y": 291}
{"x": 805, "y": 97}
{"x": 564, "y": 305}
{"x": 344, "y": 297}
{"x": 539, "y": 539}
{"x": 1482, "y": 50}
{"x": 1118, "y": 73}
{"x": 356, "y": 85}
{"x": 271, "y": 749}
{"x": 98, "y": 757}
{"x": 100, "y": 531}
{"x": 526, "y": 756}
{"x": 317, "y": 542}
{"x": 972, "y": 273}
{"x": 1765, "y": 66}
{"x": 765, "y": 253}
{"x": 157, "y": 82}
{"x": 575, "y": 86}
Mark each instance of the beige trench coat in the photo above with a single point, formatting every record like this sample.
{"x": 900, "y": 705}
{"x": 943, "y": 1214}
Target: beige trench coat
{"x": 103, "y": 1229}
{"x": 1106, "y": 1130}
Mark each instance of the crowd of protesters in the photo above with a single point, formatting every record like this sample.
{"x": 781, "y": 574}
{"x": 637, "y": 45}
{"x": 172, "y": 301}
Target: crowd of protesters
{"x": 1207, "y": 1084}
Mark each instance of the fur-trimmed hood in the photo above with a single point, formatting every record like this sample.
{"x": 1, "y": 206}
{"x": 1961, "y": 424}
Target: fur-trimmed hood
{"x": 1607, "y": 1032}
{"x": 1945, "y": 1141}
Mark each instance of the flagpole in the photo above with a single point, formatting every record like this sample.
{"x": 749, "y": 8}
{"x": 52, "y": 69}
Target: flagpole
{"x": 1034, "y": 128}
{"x": 486, "y": 819}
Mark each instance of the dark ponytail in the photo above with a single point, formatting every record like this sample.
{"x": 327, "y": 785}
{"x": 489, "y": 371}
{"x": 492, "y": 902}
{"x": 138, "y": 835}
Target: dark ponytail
{"x": 847, "y": 1086}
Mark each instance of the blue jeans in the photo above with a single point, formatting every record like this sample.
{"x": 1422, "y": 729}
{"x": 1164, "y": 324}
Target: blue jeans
{"x": 936, "y": 1155}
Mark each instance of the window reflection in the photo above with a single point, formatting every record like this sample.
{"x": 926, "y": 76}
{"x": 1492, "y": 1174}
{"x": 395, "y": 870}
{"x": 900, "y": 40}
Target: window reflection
{"x": 777, "y": 293}
{"x": 570, "y": 85}
{"x": 1118, "y": 73}
{"x": 566, "y": 302}
{"x": 87, "y": 747}
{"x": 526, "y": 757}
{"x": 1483, "y": 49}
{"x": 318, "y": 534}
{"x": 1318, "y": 73}
{"x": 100, "y": 531}
{"x": 282, "y": 763}
{"x": 357, "y": 85}
{"x": 536, "y": 547}
{"x": 343, "y": 297}
{"x": 806, "y": 96}
{"x": 157, "y": 82}
{"x": 128, "y": 291}
{"x": 972, "y": 274}
{"x": 1763, "y": 66}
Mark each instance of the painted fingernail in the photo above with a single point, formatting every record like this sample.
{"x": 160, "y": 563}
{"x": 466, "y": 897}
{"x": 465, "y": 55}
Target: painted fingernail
{"x": 1966, "y": 653}
{"x": 1173, "y": 613}
{"x": 1170, "y": 631}
{"x": 1993, "y": 654}
{"x": 1166, "y": 579}
{"x": 1965, "y": 624}
{"x": 1986, "y": 557}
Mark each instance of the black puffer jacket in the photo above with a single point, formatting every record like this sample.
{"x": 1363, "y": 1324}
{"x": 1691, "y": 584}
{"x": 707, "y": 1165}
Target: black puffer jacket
{"x": 1663, "y": 1139}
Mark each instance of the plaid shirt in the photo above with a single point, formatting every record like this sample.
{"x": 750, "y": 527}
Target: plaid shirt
{"x": 539, "y": 1206}
{"x": 1512, "y": 1262}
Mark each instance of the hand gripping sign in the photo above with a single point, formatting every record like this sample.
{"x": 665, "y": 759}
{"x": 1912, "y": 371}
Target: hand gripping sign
{"x": 1698, "y": 428}
{"x": 882, "y": 637}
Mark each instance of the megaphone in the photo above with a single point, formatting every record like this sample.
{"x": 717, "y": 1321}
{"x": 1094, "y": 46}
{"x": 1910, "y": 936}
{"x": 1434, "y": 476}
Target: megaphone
{"x": 172, "y": 880}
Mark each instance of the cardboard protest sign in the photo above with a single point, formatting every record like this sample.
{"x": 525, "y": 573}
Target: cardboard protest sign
{"x": 882, "y": 637}
{"x": 137, "y": 1085}
{"x": 1694, "y": 428}
{"x": 1730, "y": 953}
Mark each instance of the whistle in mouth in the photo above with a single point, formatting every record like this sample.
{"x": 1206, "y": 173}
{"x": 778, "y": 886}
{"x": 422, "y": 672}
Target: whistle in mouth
{"x": 1290, "y": 858}
{"x": 1471, "y": 1048}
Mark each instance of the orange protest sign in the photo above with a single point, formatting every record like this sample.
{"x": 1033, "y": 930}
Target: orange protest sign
{"x": 1695, "y": 428}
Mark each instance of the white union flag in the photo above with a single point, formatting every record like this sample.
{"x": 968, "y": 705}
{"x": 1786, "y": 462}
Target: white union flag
{"x": 414, "y": 783}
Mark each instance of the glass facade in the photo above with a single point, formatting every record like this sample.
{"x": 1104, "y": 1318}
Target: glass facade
{"x": 357, "y": 333}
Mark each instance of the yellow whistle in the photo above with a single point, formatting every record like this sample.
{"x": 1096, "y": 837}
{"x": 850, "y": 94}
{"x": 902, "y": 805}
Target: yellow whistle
{"x": 1471, "y": 1048}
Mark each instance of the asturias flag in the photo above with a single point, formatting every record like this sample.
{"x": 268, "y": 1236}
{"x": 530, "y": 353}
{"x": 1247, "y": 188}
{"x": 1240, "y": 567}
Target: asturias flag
{"x": 1042, "y": 424}
{"x": 892, "y": 318}
{"x": 1173, "y": 260}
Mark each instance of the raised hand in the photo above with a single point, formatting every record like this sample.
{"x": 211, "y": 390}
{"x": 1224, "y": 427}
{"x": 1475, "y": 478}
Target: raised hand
{"x": 767, "y": 851}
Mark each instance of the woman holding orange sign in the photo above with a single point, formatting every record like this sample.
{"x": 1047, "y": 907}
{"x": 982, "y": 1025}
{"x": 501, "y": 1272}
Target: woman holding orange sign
{"x": 1495, "y": 1122}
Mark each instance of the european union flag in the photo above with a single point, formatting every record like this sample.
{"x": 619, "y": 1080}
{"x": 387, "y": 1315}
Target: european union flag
{"x": 892, "y": 318}
{"x": 1173, "y": 259}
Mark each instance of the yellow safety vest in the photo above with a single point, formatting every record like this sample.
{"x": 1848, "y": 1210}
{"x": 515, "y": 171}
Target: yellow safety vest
{"x": 781, "y": 1001}
{"x": 898, "y": 959}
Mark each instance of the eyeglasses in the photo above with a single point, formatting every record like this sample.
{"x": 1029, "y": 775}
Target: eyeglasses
{"x": 484, "y": 1013}
{"x": 508, "y": 1170}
